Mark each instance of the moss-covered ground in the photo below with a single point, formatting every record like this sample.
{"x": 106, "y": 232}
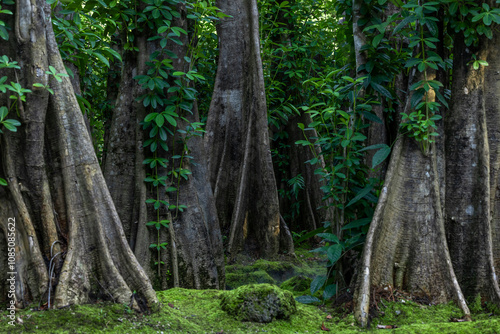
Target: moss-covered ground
{"x": 199, "y": 311}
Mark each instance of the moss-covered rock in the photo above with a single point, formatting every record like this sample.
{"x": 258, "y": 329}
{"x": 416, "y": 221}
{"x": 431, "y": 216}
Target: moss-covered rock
{"x": 259, "y": 302}
{"x": 257, "y": 277}
{"x": 273, "y": 272}
{"x": 297, "y": 284}
{"x": 280, "y": 271}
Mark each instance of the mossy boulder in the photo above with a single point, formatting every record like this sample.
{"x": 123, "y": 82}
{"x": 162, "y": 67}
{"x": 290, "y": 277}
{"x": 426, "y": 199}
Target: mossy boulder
{"x": 280, "y": 271}
{"x": 257, "y": 277}
{"x": 297, "y": 284}
{"x": 259, "y": 303}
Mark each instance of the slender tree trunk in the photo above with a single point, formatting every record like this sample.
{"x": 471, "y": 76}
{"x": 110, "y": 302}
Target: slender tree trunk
{"x": 240, "y": 166}
{"x": 56, "y": 189}
{"x": 313, "y": 210}
{"x": 304, "y": 210}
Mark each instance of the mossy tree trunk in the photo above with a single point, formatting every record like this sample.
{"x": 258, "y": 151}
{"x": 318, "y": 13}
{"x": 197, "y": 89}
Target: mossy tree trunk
{"x": 56, "y": 191}
{"x": 194, "y": 257}
{"x": 237, "y": 139}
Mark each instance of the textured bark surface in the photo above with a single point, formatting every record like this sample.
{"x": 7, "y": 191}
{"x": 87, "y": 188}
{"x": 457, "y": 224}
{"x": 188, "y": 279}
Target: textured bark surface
{"x": 449, "y": 198}
{"x": 406, "y": 245}
{"x": 240, "y": 166}
{"x": 472, "y": 162}
{"x": 194, "y": 256}
{"x": 56, "y": 189}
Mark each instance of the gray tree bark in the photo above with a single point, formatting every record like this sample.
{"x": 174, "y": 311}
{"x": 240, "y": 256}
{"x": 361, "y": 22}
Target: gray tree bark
{"x": 472, "y": 164}
{"x": 239, "y": 158}
{"x": 56, "y": 190}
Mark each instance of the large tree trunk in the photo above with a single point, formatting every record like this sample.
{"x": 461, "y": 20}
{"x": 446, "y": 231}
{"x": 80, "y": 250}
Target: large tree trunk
{"x": 435, "y": 229}
{"x": 200, "y": 266}
{"x": 406, "y": 245}
{"x": 240, "y": 166}
{"x": 56, "y": 189}
{"x": 472, "y": 163}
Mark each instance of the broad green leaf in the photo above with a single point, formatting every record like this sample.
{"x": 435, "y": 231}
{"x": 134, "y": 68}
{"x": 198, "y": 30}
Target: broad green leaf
{"x": 307, "y": 299}
{"x": 160, "y": 120}
{"x": 3, "y": 33}
{"x": 317, "y": 284}
{"x": 362, "y": 193}
{"x": 334, "y": 252}
{"x": 377, "y": 39}
{"x": 162, "y": 29}
{"x": 382, "y": 90}
{"x": 404, "y": 22}
{"x": 310, "y": 234}
{"x": 373, "y": 147}
{"x": 178, "y": 31}
{"x": 102, "y": 58}
{"x": 150, "y": 117}
{"x": 3, "y": 112}
{"x": 357, "y": 223}
{"x": 371, "y": 117}
{"x": 171, "y": 120}
{"x": 380, "y": 156}
{"x": 345, "y": 142}
{"x": 113, "y": 53}
{"x": 11, "y": 124}
{"x": 329, "y": 237}
{"x": 330, "y": 291}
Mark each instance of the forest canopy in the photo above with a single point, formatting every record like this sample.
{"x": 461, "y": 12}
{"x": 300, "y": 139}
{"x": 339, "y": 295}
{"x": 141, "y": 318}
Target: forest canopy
{"x": 148, "y": 144}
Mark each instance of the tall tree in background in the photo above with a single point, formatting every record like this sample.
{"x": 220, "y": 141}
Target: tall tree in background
{"x": 56, "y": 190}
{"x": 293, "y": 53}
{"x": 237, "y": 139}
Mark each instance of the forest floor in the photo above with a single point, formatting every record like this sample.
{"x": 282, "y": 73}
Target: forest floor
{"x": 199, "y": 311}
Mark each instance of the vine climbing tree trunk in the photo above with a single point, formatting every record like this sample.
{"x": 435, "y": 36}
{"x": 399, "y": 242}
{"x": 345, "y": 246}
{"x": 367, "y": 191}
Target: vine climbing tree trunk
{"x": 240, "y": 166}
{"x": 447, "y": 248}
{"x": 185, "y": 265}
{"x": 56, "y": 191}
